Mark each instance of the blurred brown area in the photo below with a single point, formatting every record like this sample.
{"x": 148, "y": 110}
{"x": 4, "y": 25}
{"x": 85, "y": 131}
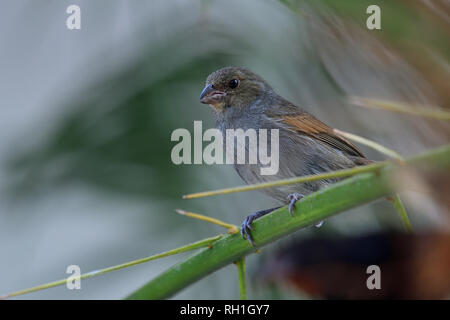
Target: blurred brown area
{"x": 413, "y": 266}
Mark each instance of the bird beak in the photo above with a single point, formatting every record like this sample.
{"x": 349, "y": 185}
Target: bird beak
{"x": 212, "y": 96}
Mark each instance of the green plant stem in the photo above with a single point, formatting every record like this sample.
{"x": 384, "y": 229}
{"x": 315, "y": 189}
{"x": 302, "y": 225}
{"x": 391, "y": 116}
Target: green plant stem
{"x": 422, "y": 111}
{"x": 230, "y": 227}
{"x": 400, "y": 208}
{"x": 195, "y": 245}
{"x": 372, "y": 144}
{"x": 240, "y": 264}
{"x": 398, "y": 205}
{"x": 327, "y": 175}
{"x": 346, "y": 194}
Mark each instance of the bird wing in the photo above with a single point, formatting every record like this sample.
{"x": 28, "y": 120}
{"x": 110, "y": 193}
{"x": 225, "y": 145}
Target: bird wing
{"x": 308, "y": 125}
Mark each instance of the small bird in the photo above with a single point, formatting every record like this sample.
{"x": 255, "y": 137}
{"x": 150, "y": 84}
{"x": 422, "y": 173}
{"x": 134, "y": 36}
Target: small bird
{"x": 241, "y": 99}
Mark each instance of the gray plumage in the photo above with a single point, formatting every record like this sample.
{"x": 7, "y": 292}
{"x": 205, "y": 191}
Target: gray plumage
{"x": 241, "y": 99}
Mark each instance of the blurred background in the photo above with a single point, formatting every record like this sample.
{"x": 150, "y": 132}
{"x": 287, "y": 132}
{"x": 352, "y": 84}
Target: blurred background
{"x": 86, "y": 118}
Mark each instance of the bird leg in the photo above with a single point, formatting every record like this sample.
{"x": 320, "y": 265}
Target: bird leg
{"x": 246, "y": 225}
{"x": 293, "y": 198}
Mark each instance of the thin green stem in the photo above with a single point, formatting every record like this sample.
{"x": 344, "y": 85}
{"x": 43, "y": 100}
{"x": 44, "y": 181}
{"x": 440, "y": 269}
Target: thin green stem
{"x": 398, "y": 205}
{"x": 427, "y": 112}
{"x": 328, "y": 175}
{"x": 196, "y": 245}
{"x": 400, "y": 208}
{"x": 240, "y": 264}
{"x": 231, "y": 228}
{"x": 372, "y": 144}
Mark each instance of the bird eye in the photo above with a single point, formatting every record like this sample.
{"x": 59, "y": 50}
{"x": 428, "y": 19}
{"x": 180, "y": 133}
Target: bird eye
{"x": 233, "y": 83}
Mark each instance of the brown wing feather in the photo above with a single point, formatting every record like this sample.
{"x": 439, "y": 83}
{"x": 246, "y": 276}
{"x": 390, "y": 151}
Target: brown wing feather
{"x": 310, "y": 126}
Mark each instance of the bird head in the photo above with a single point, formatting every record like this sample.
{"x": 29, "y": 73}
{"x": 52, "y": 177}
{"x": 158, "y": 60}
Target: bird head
{"x": 232, "y": 87}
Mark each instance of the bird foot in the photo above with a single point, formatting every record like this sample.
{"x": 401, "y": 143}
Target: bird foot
{"x": 293, "y": 198}
{"x": 246, "y": 225}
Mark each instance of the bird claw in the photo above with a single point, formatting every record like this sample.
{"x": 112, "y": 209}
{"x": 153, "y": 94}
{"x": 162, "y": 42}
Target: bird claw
{"x": 245, "y": 229}
{"x": 246, "y": 225}
{"x": 293, "y": 198}
{"x": 319, "y": 224}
